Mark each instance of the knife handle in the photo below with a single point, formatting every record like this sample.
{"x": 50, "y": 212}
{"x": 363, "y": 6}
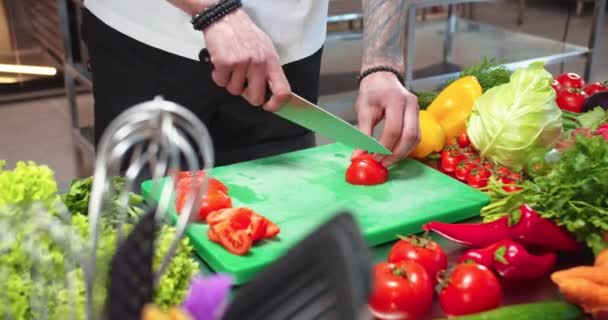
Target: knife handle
{"x": 205, "y": 58}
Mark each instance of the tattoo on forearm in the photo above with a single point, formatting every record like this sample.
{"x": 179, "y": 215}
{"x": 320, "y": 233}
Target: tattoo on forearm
{"x": 384, "y": 29}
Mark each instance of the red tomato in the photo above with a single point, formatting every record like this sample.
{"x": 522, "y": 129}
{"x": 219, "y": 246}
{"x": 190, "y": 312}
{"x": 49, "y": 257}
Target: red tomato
{"x": 570, "y": 80}
{"x": 478, "y": 178}
{"x": 365, "y": 170}
{"x": 504, "y": 171}
{"x": 510, "y": 188}
{"x": 220, "y": 215}
{"x": 236, "y": 241}
{"x": 571, "y": 100}
{"x": 210, "y": 202}
{"x": 463, "y": 140}
{"x": 463, "y": 170}
{"x": 489, "y": 166}
{"x": 449, "y": 161}
{"x": 188, "y": 177}
{"x": 424, "y": 251}
{"x": 470, "y": 288}
{"x": 595, "y": 87}
{"x": 556, "y": 86}
{"x": 272, "y": 230}
{"x": 212, "y": 236}
{"x": 257, "y": 228}
{"x": 401, "y": 291}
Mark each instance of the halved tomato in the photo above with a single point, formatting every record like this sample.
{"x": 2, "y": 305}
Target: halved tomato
{"x": 236, "y": 241}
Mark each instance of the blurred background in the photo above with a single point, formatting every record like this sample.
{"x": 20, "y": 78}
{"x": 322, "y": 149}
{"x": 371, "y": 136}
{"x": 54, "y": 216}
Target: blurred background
{"x": 46, "y": 107}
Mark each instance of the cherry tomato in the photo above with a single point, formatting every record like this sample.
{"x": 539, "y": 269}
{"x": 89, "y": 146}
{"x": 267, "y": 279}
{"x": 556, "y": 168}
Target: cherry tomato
{"x": 470, "y": 288}
{"x": 463, "y": 140}
{"x": 401, "y": 291}
{"x": 556, "y": 86}
{"x": 365, "y": 170}
{"x": 570, "y": 81}
{"x": 449, "y": 161}
{"x": 488, "y": 165}
{"x": 463, "y": 170}
{"x": 504, "y": 171}
{"x": 424, "y": 251}
{"x": 478, "y": 178}
{"x": 510, "y": 188}
{"x": 595, "y": 87}
{"x": 236, "y": 241}
{"x": 571, "y": 100}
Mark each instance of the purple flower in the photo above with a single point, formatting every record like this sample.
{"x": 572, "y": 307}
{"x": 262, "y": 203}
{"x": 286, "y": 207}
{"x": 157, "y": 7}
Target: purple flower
{"x": 208, "y": 296}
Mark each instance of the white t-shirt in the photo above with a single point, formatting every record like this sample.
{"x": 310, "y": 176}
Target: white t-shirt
{"x": 297, "y": 27}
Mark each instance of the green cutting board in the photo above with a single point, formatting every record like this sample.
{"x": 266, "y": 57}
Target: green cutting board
{"x": 301, "y": 190}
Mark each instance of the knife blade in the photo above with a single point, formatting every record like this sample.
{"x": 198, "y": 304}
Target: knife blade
{"x": 306, "y": 114}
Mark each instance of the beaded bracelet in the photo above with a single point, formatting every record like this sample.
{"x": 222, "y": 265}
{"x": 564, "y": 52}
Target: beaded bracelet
{"x": 214, "y": 13}
{"x": 371, "y": 70}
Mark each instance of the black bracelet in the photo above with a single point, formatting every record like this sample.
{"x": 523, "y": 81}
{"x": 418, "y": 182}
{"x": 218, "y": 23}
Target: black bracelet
{"x": 371, "y": 70}
{"x": 214, "y": 13}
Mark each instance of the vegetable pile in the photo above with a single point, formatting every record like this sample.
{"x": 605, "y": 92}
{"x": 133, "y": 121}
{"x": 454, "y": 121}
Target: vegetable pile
{"x": 42, "y": 265}
{"x": 236, "y": 229}
{"x": 538, "y": 146}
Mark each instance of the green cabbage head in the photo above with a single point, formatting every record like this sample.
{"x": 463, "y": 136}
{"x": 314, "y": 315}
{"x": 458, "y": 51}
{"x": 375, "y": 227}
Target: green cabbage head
{"x": 515, "y": 121}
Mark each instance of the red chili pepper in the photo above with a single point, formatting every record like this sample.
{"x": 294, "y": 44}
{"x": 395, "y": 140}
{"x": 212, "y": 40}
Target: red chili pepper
{"x": 482, "y": 256}
{"x": 472, "y": 234}
{"x": 531, "y": 230}
{"x": 513, "y": 261}
{"x": 534, "y": 230}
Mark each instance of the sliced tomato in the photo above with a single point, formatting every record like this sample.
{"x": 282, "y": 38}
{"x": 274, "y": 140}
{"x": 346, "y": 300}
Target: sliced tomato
{"x": 189, "y": 177}
{"x": 212, "y": 236}
{"x": 257, "y": 228}
{"x": 241, "y": 219}
{"x": 272, "y": 230}
{"x": 218, "y": 216}
{"x": 237, "y": 242}
{"x": 213, "y": 201}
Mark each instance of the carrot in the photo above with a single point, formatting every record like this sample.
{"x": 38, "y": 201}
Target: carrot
{"x": 602, "y": 259}
{"x": 584, "y": 292}
{"x": 595, "y": 274}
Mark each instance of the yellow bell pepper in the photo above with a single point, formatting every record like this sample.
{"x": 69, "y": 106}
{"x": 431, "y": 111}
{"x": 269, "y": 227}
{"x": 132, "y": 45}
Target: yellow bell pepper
{"x": 432, "y": 136}
{"x": 454, "y": 104}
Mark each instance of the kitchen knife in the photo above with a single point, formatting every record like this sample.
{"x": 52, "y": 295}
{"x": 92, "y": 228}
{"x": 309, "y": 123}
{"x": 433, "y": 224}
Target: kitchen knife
{"x": 304, "y": 113}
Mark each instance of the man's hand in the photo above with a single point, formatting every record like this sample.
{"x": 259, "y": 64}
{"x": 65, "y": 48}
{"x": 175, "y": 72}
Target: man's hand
{"x": 382, "y": 96}
{"x": 245, "y": 60}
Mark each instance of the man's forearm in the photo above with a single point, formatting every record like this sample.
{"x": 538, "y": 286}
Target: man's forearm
{"x": 383, "y": 32}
